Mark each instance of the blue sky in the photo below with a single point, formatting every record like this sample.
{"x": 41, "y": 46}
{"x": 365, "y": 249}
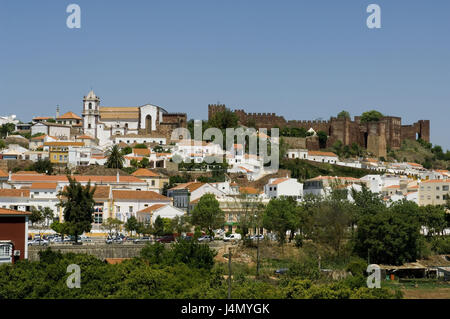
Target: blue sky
{"x": 301, "y": 59}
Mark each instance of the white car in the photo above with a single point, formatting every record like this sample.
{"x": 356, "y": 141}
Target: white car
{"x": 232, "y": 237}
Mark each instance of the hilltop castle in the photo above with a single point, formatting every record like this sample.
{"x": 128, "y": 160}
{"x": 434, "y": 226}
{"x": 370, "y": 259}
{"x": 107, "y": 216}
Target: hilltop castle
{"x": 376, "y": 137}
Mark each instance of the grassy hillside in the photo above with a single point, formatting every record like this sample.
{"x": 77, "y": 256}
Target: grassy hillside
{"x": 303, "y": 169}
{"x": 421, "y": 152}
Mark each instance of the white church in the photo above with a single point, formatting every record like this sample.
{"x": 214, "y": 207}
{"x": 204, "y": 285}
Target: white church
{"x": 104, "y": 122}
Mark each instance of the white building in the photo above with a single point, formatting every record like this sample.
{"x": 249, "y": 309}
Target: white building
{"x": 284, "y": 187}
{"x": 322, "y": 157}
{"x": 149, "y": 214}
{"x": 58, "y": 131}
{"x": 297, "y": 153}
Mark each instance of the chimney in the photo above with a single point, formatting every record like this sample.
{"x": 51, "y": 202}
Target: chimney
{"x": 118, "y": 177}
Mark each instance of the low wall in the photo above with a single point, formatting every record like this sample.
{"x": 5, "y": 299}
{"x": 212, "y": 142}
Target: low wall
{"x": 101, "y": 251}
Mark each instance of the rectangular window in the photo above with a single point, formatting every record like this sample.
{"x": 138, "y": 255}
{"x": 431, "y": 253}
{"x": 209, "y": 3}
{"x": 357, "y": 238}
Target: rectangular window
{"x": 445, "y": 188}
{"x": 130, "y": 209}
{"x": 153, "y": 182}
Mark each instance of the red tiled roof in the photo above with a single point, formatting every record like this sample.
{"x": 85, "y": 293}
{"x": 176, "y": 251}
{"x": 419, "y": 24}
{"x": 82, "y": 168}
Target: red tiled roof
{"x": 141, "y": 151}
{"x": 70, "y": 116}
{"x": 14, "y": 192}
{"x": 152, "y": 208}
{"x": 437, "y": 181}
{"x": 191, "y": 186}
{"x": 317, "y": 153}
{"x": 44, "y": 186}
{"x": 279, "y": 181}
{"x": 3, "y": 174}
{"x": 249, "y": 190}
{"x": 4, "y": 211}
{"x": 143, "y": 172}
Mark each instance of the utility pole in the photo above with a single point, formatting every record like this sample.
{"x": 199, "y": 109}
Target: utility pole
{"x": 229, "y": 273}
{"x": 257, "y": 253}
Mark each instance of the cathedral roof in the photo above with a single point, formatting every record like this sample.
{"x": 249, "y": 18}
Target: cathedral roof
{"x": 117, "y": 113}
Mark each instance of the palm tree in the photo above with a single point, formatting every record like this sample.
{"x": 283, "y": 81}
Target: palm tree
{"x": 115, "y": 157}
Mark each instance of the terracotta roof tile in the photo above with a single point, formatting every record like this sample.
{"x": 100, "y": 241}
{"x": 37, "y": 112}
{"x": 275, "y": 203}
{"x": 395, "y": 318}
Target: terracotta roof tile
{"x": 152, "y": 208}
{"x": 143, "y": 172}
{"x": 191, "y": 186}
{"x": 44, "y": 186}
{"x": 141, "y": 151}
{"x": 317, "y": 153}
{"x": 4, "y": 211}
{"x": 14, "y": 192}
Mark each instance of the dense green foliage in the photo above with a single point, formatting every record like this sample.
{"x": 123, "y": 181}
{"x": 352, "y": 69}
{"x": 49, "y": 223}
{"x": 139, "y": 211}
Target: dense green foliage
{"x": 115, "y": 157}
{"x": 207, "y": 214}
{"x": 77, "y": 202}
{"x": 371, "y": 116}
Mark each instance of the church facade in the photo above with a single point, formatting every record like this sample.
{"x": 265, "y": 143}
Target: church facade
{"x": 106, "y": 122}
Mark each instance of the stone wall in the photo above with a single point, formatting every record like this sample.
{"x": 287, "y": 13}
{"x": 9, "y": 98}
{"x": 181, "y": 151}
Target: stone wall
{"x": 391, "y": 135}
{"x": 101, "y": 251}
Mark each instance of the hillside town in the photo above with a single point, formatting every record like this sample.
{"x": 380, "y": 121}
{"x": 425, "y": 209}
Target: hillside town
{"x": 150, "y": 178}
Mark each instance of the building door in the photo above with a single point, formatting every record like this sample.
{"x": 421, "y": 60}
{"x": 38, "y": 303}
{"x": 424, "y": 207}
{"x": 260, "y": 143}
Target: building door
{"x": 148, "y": 124}
{"x": 5, "y": 253}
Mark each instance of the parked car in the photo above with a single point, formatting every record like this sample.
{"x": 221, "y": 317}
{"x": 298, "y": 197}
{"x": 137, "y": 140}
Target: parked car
{"x": 115, "y": 240}
{"x": 232, "y": 237}
{"x": 205, "y": 238}
{"x": 281, "y": 271}
{"x": 255, "y": 237}
{"x": 38, "y": 242}
{"x": 166, "y": 239}
{"x": 142, "y": 240}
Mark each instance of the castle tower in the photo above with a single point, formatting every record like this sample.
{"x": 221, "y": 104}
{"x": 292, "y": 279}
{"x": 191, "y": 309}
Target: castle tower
{"x": 90, "y": 114}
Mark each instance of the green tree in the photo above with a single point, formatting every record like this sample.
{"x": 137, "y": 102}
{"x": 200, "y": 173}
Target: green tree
{"x": 224, "y": 120}
{"x": 158, "y": 226}
{"x": 280, "y": 216}
{"x": 43, "y": 166}
{"x": 7, "y": 129}
{"x": 112, "y": 225}
{"x": 78, "y": 204}
{"x": 180, "y": 224}
{"x": 115, "y": 157}
{"x": 131, "y": 225}
{"x": 323, "y": 137}
{"x": 371, "y": 116}
{"x": 343, "y": 115}
{"x": 207, "y": 214}
{"x": 126, "y": 150}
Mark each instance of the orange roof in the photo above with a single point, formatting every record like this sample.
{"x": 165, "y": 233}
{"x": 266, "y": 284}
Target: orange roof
{"x": 137, "y": 158}
{"x": 317, "y": 153}
{"x": 414, "y": 164}
{"x": 3, "y": 174}
{"x": 143, "y": 172}
{"x": 437, "y": 181}
{"x": 393, "y": 186}
{"x": 114, "y": 261}
{"x": 70, "y": 116}
{"x": 14, "y": 192}
{"x": 38, "y": 138}
{"x": 101, "y": 192}
{"x": 44, "y": 186}
{"x": 152, "y": 208}
{"x": 42, "y": 118}
{"x": 5, "y": 211}
{"x": 279, "y": 181}
{"x": 249, "y": 190}
{"x": 64, "y": 144}
{"x": 141, "y": 151}
{"x": 78, "y": 178}
{"x": 139, "y": 195}
{"x": 190, "y": 186}
{"x": 84, "y": 137}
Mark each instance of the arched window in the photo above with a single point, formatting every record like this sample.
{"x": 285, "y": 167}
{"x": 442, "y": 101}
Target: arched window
{"x": 90, "y": 106}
